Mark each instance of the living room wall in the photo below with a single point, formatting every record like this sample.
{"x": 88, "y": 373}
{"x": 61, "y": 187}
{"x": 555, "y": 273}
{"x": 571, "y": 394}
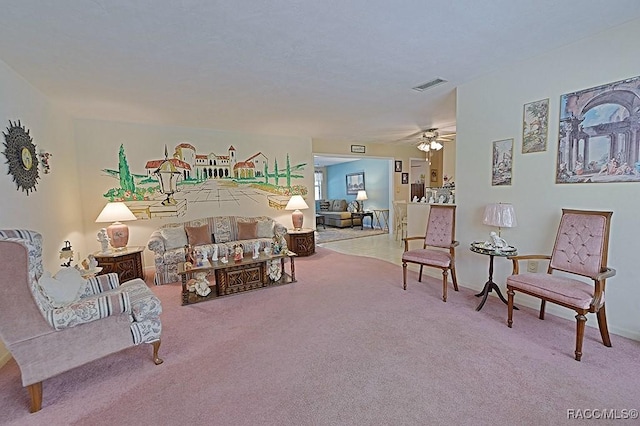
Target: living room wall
{"x": 98, "y": 152}
{"x": 376, "y": 180}
{"x": 491, "y": 108}
{"x": 54, "y": 209}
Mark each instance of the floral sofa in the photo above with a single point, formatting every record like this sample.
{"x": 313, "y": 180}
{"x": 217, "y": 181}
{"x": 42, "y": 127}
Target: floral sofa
{"x": 168, "y": 242}
{"x": 337, "y": 212}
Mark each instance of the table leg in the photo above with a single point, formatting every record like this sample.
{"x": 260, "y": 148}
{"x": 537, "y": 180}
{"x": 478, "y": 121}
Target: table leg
{"x": 489, "y": 286}
{"x": 185, "y": 292}
{"x": 293, "y": 269}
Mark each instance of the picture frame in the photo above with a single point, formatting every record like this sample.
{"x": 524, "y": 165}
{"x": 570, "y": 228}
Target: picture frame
{"x": 405, "y": 178}
{"x": 398, "y": 166}
{"x": 433, "y": 175}
{"x": 502, "y": 163}
{"x": 355, "y": 183}
{"x": 597, "y": 142}
{"x": 358, "y": 149}
{"x": 535, "y": 126}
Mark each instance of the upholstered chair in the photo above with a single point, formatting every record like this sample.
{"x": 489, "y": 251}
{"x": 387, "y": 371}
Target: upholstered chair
{"x": 580, "y": 249}
{"x": 46, "y": 339}
{"x": 438, "y": 248}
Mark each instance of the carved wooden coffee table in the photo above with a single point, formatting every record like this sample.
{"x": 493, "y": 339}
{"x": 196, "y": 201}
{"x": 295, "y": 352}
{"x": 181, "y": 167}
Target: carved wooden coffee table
{"x": 234, "y": 277}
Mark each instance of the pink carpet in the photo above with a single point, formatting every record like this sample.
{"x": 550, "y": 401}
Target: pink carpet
{"x": 345, "y": 345}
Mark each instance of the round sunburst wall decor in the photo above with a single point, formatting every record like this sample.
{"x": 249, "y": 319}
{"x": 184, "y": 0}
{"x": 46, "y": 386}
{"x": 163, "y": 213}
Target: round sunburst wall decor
{"x": 21, "y": 156}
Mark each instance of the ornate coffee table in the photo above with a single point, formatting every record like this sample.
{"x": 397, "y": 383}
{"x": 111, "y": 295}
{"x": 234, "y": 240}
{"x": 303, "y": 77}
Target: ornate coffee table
{"x": 234, "y": 277}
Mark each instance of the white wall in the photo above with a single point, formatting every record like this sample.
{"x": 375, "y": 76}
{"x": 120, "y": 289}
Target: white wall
{"x": 54, "y": 208}
{"x": 490, "y": 109}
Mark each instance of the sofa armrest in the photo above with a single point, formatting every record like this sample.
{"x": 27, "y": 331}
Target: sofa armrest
{"x": 156, "y": 242}
{"x": 89, "y": 309}
{"x": 279, "y": 229}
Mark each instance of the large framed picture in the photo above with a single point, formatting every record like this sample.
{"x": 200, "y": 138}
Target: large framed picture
{"x": 535, "y": 126}
{"x": 598, "y": 140}
{"x": 355, "y": 183}
{"x": 502, "y": 162}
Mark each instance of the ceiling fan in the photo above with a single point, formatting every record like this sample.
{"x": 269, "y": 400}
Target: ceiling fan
{"x": 430, "y": 140}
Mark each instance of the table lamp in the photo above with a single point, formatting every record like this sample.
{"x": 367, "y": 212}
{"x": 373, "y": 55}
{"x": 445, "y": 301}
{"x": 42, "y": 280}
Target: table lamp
{"x": 362, "y": 196}
{"x": 296, "y": 203}
{"x": 502, "y": 215}
{"x": 118, "y": 232}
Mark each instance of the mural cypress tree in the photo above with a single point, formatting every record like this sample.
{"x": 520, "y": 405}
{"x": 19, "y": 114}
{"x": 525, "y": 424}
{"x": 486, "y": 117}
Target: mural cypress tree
{"x": 266, "y": 173}
{"x": 126, "y": 180}
{"x": 275, "y": 166}
{"x": 288, "y": 172}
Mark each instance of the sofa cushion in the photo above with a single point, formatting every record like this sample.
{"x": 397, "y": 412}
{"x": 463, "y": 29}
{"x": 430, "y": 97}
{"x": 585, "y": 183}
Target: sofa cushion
{"x": 265, "y": 229}
{"x": 247, "y": 230}
{"x": 338, "y": 205}
{"x": 174, "y": 237}
{"x": 198, "y": 235}
{"x": 222, "y": 229}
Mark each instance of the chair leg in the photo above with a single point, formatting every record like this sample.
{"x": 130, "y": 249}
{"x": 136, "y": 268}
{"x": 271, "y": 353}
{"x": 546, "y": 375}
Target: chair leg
{"x": 581, "y": 321}
{"x": 602, "y": 325}
{"x": 35, "y": 393}
{"x": 543, "y": 304}
{"x": 510, "y": 294}
{"x": 156, "y": 348}
{"x": 454, "y": 278}
{"x": 420, "y": 276}
{"x": 444, "y": 285}
{"x": 404, "y": 275}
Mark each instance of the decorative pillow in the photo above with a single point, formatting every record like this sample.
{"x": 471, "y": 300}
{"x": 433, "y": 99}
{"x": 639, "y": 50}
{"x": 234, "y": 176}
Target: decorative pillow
{"x": 174, "y": 237}
{"x": 265, "y": 229}
{"x": 198, "y": 235}
{"x": 247, "y": 230}
{"x": 62, "y": 289}
{"x": 339, "y": 205}
{"x": 324, "y": 205}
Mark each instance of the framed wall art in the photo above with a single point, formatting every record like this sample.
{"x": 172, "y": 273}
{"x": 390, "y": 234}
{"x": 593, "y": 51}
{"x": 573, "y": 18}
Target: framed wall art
{"x": 535, "y": 126}
{"x": 398, "y": 165}
{"x": 355, "y": 183}
{"x": 358, "y": 149}
{"x": 597, "y": 140}
{"x": 502, "y": 166}
{"x": 405, "y": 178}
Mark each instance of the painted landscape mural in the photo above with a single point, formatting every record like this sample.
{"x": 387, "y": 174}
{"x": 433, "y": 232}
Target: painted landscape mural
{"x": 167, "y": 184}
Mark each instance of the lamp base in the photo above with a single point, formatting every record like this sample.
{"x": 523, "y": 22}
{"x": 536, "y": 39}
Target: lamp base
{"x": 119, "y": 235}
{"x": 297, "y": 218}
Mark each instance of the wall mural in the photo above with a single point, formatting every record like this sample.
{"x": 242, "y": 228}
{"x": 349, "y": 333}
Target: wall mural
{"x": 170, "y": 183}
{"x": 599, "y": 134}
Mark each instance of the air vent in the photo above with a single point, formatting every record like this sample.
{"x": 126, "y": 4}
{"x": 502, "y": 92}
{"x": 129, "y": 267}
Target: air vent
{"x": 429, "y": 85}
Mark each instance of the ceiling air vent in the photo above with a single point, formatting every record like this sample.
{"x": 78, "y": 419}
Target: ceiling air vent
{"x": 429, "y": 85}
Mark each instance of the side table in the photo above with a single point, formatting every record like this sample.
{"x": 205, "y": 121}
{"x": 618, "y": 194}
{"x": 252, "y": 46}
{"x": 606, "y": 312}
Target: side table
{"x": 126, "y": 263}
{"x": 302, "y": 241}
{"x": 382, "y": 218}
{"x": 489, "y": 286}
{"x": 362, "y": 215}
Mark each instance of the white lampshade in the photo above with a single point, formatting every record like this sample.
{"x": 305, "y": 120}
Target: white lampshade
{"x": 118, "y": 232}
{"x": 296, "y": 203}
{"x": 502, "y": 215}
{"x": 362, "y": 195}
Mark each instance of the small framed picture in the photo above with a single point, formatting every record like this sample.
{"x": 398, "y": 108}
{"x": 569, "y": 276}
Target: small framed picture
{"x": 434, "y": 175}
{"x": 358, "y": 149}
{"x": 398, "y": 165}
{"x": 405, "y": 178}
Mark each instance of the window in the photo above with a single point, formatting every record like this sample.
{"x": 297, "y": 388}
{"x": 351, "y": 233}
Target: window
{"x": 317, "y": 184}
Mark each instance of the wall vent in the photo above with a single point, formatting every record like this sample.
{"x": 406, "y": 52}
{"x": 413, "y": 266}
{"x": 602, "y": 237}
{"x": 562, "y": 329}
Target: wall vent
{"x": 429, "y": 85}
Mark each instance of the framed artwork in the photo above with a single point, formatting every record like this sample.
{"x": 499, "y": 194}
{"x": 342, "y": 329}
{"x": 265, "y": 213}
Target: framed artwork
{"x": 355, "y": 183}
{"x": 405, "y": 178}
{"x": 535, "y": 126}
{"x": 433, "y": 175}
{"x": 358, "y": 149}
{"x": 597, "y": 136}
{"x": 502, "y": 162}
{"x": 398, "y": 164}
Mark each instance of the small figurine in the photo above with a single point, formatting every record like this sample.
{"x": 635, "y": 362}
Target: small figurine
{"x": 214, "y": 256}
{"x": 279, "y": 244}
{"x": 451, "y": 200}
{"x": 66, "y": 253}
{"x": 189, "y": 255}
{"x": 223, "y": 254}
{"x": 104, "y": 240}
{"x": 431, "y": 200}
{"x": 199, "y": 284}
{"x": 442, "y": 199}
{"x": 238, "y": 252}
{"x": 497, "y": 241}
{"x": 423, "y": 200}
{"x": 415, "y": 198}
{"x": 256, "y": 250}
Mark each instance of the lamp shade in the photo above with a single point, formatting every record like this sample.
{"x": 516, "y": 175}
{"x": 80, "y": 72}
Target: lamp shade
{"x": 362, "y": 195}
{"x": 118, "y": 232}
{"x": 502, "y": 215}
{"x": 296, "y": 203}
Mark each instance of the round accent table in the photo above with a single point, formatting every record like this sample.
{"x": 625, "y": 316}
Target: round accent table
{"x": 302, "y": 241}
{"x": 480, "y": 248}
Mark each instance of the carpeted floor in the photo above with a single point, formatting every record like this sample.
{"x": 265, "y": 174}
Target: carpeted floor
{"x": 337, "y": 234}
{"x": 345, "y": 345}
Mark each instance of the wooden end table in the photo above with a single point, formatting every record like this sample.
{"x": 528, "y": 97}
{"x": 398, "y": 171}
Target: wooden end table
{"x": 362, "y": 215}
{"x": 126, "y": 263}
{"x": 301, "y": 241}
{"x": 489, "y": 286}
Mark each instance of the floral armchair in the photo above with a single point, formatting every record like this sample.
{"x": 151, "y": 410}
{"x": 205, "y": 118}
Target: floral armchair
{"x": 45, "y": 339}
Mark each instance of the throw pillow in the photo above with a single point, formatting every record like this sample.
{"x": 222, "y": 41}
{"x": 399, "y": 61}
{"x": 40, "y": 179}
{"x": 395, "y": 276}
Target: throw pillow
{"x": 247, "y": 230}
{"x": 174, "y": 237}
{"x": 198, "y": 235}
{"x": 325, "y": 205}
{"x": 62, "y": 289}
{"x": 265, "y": 229}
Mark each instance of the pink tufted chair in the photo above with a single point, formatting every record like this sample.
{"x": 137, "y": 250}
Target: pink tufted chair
{"x": 438, "y": 249}
{"x": 581, "y": 248}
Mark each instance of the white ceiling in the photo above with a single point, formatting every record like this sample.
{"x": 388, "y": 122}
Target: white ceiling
{"x": 329, "y": 69}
